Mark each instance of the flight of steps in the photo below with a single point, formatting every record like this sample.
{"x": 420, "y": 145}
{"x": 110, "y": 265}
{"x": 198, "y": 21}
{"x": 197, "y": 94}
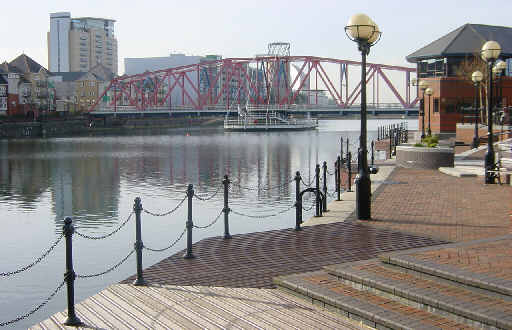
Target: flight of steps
{"x": 398, "y": 292}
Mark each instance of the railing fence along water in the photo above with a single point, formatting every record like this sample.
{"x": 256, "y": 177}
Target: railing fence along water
{"x": 301, "y": 188}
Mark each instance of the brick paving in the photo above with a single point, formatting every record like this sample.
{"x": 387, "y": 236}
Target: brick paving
{"x": 433, "y": 204}
{"x": 252, "y": 260}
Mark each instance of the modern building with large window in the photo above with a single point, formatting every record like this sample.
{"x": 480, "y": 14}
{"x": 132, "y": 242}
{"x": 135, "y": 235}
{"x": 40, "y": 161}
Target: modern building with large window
{"x": 446, "y": 66}
{"x": 79, "y": 44}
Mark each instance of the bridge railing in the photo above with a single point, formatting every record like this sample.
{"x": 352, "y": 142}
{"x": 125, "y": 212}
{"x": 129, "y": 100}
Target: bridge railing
{"x": 234, "y": 108}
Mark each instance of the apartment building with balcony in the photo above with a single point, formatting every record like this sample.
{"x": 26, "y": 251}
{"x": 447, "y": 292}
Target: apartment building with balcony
{"x": 79, "y": 44}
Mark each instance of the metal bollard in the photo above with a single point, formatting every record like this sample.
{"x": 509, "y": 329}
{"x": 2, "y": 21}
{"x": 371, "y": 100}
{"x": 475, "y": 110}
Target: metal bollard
{"x": 373, "y": 154}
{"x": 325, "y": 188}
{"x": 137, "y": 208}
{"x": 190, "y": 224}
{"x": 69, "y": 275}
{"x": 317, "y": 180}
{"x": 298, "y": 202}
{"x": 338, "y": 178}
{"x": 226, "y": 209}
{"x": 349, "y": 168}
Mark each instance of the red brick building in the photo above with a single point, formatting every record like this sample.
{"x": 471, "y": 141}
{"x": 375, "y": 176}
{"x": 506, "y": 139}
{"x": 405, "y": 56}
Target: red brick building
{"x": 443, "y": 65}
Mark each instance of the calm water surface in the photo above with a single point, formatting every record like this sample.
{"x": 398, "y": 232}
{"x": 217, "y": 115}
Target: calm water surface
{"x": 95, "y": 180}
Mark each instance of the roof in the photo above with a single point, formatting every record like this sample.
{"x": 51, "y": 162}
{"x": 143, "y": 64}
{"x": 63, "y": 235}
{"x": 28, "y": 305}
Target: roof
{"x": 465, "y": 40}
{"x": 26, "y": 65}
{"x": 7, "y": 68}
{"x": 69, "y": 76}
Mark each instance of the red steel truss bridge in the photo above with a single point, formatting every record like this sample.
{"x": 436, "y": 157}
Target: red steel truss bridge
{"x": 282, "y": 82}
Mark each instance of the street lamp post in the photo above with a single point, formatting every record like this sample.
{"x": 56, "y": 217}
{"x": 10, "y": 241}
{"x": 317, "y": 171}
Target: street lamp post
{"x": 500, "y": 66}
{"x": 477, "y": 78}
{"x": 423, "y": 86}
{"x": 490, "y": 52}
{"x": 428, "y": 91}
{"x": 365, "y": 32}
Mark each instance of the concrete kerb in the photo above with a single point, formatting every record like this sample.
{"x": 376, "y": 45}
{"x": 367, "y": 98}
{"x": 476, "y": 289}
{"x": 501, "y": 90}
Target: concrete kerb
{"x": 340, "y": 211}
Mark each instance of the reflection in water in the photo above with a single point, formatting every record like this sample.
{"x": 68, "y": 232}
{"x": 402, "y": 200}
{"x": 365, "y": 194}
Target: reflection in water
{"x": 95, "y": 179}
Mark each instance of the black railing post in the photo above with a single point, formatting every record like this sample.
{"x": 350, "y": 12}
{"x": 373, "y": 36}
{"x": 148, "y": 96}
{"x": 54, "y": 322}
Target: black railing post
{"x": 317, "y": 181}
{"x": 69, "y": 275}
{"x": 338, "y": 178}
{"x": 190, "y": 224}
{"x": 138, "y": 245}
{"x": 341, "y": 146}
{"x": 373, "y": 153}
{"x": 325, "y": 187}
{"x": 347, "y": 148}
{"x": 226, "y": 209}
{"x": 349, "y": 168}
{"x": 390, "y": 145}
{"x": 298, "y": 202}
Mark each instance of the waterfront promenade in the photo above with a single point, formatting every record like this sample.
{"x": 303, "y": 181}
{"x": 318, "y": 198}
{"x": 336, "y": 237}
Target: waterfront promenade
{"x": 230, "y": 282}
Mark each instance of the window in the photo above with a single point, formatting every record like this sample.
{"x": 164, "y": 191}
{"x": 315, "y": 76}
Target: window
{"x": 84, "y": 44}
{"x": 82, "y": 59}
{"x": 436, "y": 105}
{"x": 83, "y": 37}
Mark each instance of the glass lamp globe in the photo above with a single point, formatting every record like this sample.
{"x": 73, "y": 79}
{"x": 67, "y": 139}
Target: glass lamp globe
{"x": 490, "y": 51}
{"x": 501, "y": 65}
{"x": 423, "y": 85}
{"x": 477, "y": 76}
{"x": 360, "y": 27}
{"x": 428, "y": 91}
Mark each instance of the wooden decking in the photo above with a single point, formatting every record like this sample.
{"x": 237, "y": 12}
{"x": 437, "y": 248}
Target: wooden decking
{"x": 124, "y": 306}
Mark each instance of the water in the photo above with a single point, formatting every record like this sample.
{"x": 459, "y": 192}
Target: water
{"x": 96, "y": 179}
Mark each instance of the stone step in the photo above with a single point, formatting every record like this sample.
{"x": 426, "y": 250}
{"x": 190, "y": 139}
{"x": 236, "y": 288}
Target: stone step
{"x": 466, "y": 304}
{"x": 484, "y": 264}
{"x": 374, "y": 310}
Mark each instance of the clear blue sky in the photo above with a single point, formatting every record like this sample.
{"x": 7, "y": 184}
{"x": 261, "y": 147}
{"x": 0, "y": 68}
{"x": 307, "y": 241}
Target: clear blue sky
{"x": 243, "y": 28}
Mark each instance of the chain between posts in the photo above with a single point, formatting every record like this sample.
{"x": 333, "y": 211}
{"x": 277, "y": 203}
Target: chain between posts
{"x": 170, "y": 246}
{"x": 107, "y": 235}
{"x": 166, "y": 213}
{"x": 38, "y": 260}
{"x": 109, "y": 269}
{"x": 207, "y": 198}
{"x": 211, "y": 223}
{"x": 263, "y": 216}
{"x": 38, "y": 307}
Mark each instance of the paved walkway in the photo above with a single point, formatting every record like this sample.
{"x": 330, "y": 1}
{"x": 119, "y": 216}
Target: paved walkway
{"x": 411, "y": 208}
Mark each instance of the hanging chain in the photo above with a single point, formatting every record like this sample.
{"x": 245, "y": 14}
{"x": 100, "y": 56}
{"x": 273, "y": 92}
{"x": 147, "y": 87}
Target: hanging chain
{"x": 170, "y": 246}
{"x": 263, "y": 216}
{"x": 38, "y": 260}
{"x": 166, "y": 213}
{"x": 107, "y": 235}
{"x": 108, "y": 270}
{"x": 208, "y": 198}
{"x": 38, "y": 307}
{"x": 211, "y": 223}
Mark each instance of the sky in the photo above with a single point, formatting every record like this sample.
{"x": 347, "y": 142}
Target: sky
{"x": 238, "y": 28}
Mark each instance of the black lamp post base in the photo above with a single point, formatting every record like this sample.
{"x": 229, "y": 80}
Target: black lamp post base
{"x": 363, "y": 197}
{"x": 476, "y": 143}
{"x": 489, "y": 165}
{"x": 139, "y": 282}
{"x": 73, "y": 321}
